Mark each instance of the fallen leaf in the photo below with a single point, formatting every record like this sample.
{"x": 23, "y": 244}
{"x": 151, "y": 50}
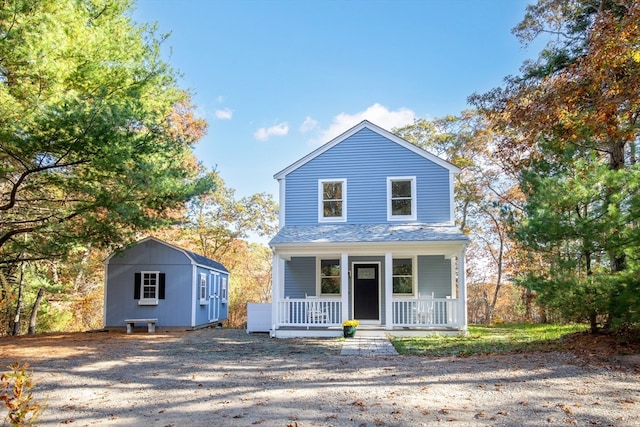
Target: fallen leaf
{"x": 565, "y": 408}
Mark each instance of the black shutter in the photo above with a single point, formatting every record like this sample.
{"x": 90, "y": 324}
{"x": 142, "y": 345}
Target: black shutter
{"x": 136, "y": 286}
{"x": 161, "y": 287}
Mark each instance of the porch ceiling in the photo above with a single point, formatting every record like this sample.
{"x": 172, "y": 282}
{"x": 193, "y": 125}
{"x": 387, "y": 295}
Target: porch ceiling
{"x": 444, "y": 239}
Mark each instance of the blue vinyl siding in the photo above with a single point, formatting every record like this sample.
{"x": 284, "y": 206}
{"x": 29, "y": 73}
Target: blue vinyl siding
{"x": 366, "y": 159}
{"x": 434, "y": 275}
{"x": 300, "y": 277}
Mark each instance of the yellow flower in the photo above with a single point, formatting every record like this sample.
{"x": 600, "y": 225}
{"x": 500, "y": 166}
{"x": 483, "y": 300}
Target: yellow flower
{"x": 354, "y": 323}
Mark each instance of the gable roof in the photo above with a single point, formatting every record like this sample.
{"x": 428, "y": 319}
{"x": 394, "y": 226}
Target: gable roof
{"x": 365, "y": 124}
{"x": 196, "y": 259}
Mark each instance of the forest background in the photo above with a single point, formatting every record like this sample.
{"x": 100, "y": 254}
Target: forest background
{"x": 96, "y": 152}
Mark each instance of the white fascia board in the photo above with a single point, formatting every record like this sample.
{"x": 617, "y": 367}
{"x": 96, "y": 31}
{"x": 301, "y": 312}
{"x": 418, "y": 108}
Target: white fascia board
{"x": 446, "y": 248}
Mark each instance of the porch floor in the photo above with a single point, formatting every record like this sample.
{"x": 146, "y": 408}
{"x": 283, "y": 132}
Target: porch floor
{"x": 368, "y": 331}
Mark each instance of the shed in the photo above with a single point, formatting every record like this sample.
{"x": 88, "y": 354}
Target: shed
{"x": 155, "y": 281}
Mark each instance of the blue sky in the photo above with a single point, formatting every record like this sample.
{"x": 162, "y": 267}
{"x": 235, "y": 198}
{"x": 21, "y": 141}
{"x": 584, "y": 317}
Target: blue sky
{"x": 276, "y": 79}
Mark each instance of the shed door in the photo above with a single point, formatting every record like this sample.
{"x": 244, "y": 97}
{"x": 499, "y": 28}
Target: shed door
{"x": 214, "y": 297}
{"x": 366, "y": 292}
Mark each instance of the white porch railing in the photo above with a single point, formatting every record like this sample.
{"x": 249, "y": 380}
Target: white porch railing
{"x": 407, "y": 312}
{"x": 309, "y": 312}
{"x": 425, "y": 312}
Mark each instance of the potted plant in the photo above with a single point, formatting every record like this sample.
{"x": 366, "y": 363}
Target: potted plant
{"x": 349, "y": 327}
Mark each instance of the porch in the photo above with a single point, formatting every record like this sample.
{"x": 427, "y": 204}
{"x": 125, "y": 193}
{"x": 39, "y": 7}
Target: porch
{"x": 396, "y": 278}
{"x": 322, "y": 317}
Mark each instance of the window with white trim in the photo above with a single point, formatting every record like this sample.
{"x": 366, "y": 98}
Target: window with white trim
{"x": 223, "y": 294}
{"x": 401, "y": 198}
{"x": 332, "y": 200}
{"x": 330, "y": 276}
{"x": 403, "y": 276}
{"x": 203, "y": 288}
{"x": 149, "y": 288}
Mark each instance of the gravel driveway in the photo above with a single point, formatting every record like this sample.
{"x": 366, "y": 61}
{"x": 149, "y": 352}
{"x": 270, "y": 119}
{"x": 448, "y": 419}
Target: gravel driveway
{"x": 221, "y": 377}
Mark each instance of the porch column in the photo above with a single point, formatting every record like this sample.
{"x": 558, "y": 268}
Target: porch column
{"x": 277, "y": 290}
{"x": 344, "y": 286}
{"x": 388, "y": 291}
{"x": 462, "y": 291}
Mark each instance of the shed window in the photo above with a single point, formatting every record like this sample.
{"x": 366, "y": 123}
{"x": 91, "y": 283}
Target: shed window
{"x": 332, "y": 206}
{"x": 149, "y": 287}
{"x": 224, "y": 289}
{"x": 403, "y": 276}
{"x": 330, "y": 277}
{"x": 203, "y": 288}
{"x": 401, "y": 195}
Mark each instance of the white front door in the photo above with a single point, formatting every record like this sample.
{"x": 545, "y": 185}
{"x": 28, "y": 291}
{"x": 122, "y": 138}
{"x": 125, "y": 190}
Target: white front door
{"x": 214, "y": 297}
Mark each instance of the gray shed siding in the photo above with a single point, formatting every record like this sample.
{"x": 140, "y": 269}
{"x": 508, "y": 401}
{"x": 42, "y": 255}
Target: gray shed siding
{"x": 366, "y": 159}
{"x": 177, "y": 308}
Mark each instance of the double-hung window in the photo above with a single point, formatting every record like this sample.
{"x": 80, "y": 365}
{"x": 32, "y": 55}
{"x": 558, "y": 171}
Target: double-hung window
{"x": 332, "y": 203}
{"x": 403, "y": 276}
{"x": 149, "y": 288}
{"x": 329, "y": 272}
{"x": 401, "y": 198}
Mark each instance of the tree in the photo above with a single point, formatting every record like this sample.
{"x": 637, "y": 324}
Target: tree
{"x": 569, "y": 128}
{"x": 218, "y": 220}
{"x": 483, "y": 192}
{"x": 218, "y": 226}
{"x": 95, "y": 136}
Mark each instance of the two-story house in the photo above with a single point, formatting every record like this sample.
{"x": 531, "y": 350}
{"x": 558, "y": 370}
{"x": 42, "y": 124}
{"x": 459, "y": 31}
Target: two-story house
{"x": 367, "y": 232}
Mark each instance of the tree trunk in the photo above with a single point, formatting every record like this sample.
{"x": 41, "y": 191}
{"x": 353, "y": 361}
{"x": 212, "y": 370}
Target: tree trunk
{"x": 34, "y": 312}
{"x": 16, "y": 319}
{"x": 593, "y": 322}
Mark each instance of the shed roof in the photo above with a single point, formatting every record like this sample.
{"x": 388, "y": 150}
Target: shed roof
{"x": 196, "y": 259}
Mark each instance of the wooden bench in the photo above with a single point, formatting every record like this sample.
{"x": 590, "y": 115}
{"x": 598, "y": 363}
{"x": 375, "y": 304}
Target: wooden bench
{"x": 151, "y": 324}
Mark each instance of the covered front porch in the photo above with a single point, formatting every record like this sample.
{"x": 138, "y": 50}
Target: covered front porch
{"x": 400, "y": 287}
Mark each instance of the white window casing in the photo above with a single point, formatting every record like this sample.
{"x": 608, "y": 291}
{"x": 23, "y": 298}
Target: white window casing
{"x": 149, "y": 287}
{"x": 328, "y": 275}
{"x": 335, "y": 200}
{"x": 402, "y": 199}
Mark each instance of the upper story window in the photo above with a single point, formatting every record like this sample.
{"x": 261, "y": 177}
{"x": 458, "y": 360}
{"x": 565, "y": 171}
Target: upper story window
{"x": 332, "y": 203}
{"x": 401, "y": 198}
{"x": 330, "y": 277}
{"x": 403, "y": 276}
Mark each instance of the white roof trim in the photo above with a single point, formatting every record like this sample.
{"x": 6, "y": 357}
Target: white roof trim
{"x": 380, "y": 131}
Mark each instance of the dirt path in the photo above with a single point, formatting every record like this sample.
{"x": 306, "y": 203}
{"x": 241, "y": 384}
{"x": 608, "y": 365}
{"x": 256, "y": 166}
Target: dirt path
{"x": 228, "y": 378}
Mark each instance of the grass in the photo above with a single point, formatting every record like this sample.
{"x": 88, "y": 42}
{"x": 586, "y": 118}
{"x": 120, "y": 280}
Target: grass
{"x": 493, "y": 339}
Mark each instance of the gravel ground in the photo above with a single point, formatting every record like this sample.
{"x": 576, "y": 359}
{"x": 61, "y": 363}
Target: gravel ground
{"x": 220, "y": 377}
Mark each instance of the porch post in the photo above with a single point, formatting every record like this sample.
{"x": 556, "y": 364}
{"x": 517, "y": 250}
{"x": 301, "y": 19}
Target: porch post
{"x": 388, "y": 291}
{"x": 462, "y": 291}
{"x": 276, "y": 292}
{"x": 344, "y": 286}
